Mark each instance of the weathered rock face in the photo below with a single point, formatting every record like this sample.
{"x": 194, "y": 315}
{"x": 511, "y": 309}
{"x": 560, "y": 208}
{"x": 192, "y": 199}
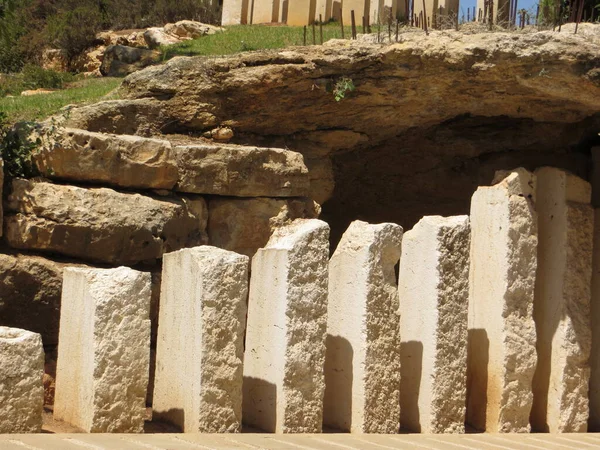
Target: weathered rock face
{"x": 123, "y": 161}
{"x": 245, "y": 225}
{"x": 241, "y": 171}
{"x": 30, "y": 288}
{"x": 100, "y": 224}
{"x": 190, "y": 29}
{"x": 120, "y": 60}
{"x": 427, "y": 120}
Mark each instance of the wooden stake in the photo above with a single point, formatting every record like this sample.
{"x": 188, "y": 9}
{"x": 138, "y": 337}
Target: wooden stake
{"x": 342, "y": 23}
{"x": 314, "y": 34}
{"x": 579, "y": 13}
{"x": 425, "y": 21}
{"x": 353, "y": 24}
{"x": 397, "y": 29}
{"x": 321, "y": 28}
{"x": 304, "y": 35}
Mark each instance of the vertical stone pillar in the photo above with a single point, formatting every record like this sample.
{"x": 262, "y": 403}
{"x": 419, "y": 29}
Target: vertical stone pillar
{"x": 361, "y": 9}
{"x": 21, "y": 388}
{"x": 562, "y": 302}
{"x": 103, "y": 350}
{"x": 299, "y": 13}
{"x": 285, "y": 337}
{"x": 362, "y": 366}
{"x": 264, "y": 11}
{"x": 235, "y": 12}
{"x": 200, "y": 348}
{"x": 501, "y": 354}
{"x": 433, "y": 288}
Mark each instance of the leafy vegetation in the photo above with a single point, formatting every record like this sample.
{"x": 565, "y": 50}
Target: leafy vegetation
{"x": 29, "y": 26}
{"x": 16, "y": 148}
{"x": 341, "y": 87}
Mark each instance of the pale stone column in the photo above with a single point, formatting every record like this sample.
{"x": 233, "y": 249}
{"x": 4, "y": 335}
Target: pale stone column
{"x": 264, "y": 11}
{"x": 21, "y": 388}
{"x": 235, "y": 12}
{"x": 433, "y": 289}
{"x": 299, "y": 13}
{"x": 562, "y": 302}
{"x": 502, "y": 356}
{"x": 362, "y": 366}
{"x": 200, "y": 349}
{"x": 103, "y": 350}
{"x": 285, "y": 337}
{"x": 360, "y": 7}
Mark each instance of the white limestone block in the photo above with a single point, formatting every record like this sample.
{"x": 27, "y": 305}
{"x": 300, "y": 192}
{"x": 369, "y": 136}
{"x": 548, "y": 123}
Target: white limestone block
{"x": 21, "y": 388}
{"x": 285, "y": 337}
{"x": 200, "y": 348}
{"x": 362, "y": 366}
{"x": 501, "y": 354}
{"x": 264, "y": 11}
{"x": 433, "y": 288}
{"x": 562, "y": 302}
{"x": 103, "y": 350}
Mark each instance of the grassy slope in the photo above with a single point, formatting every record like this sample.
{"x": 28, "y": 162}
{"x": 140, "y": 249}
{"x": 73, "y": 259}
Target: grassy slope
{"x": 253, "y": 37}
{"x": 40, "y": 106}
{"x": 236, "y": 39}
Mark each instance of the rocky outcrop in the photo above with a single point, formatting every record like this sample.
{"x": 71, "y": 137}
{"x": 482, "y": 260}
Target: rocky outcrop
{"x": 425, "y": 125}
{"x": 122, "y": 161}
{"x": 100, "y": 224}
{"x": 173, "y": 33}
{"x": 241, "y": 171}
{"x": 119, "y": 60}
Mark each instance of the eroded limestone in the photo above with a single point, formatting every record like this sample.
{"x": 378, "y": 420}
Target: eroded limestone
{"x": 21, "y": 388}
{"x": 433, "y": 289}
{"x": 200, "y": 349}
{"x": 285, "y": 337}
{"x": 502, "y": 356}
{"x": 104, "y": 350}
{"x": 562, "y": 302}
{"x": 100, "y": 224}
{"x": 362, "y": 368}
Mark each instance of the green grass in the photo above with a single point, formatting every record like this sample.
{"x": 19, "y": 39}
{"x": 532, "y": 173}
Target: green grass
{"x": 41, "y": 106}
{"x": 241, "y": 38}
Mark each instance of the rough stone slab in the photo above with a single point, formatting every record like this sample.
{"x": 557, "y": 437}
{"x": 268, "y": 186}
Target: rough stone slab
{"x": 502, "y": 355}
{"x": 562, "y": 302}
{"x": 99, "y": 224}
{"x": 200, "y": 349}
{"x": 104, "y": 350}
{"x": 115, "y": 160}
{"x": 21, "y": 388}
{"x": 362, "y": 366}
{"x": 285, "y": 337}
{"x": 241, "y": 171}
{"x": 433, "y": 289}
{"x": 245, "y": 225}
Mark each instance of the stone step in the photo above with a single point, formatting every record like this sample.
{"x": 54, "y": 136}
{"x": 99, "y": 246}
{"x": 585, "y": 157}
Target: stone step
{"x": 185, "y": 165}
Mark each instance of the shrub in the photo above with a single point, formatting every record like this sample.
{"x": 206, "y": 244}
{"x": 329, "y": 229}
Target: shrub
{"x": 75, "y": 30}
{"x": 36, "y": 77}
{"x": 16, "y": 148}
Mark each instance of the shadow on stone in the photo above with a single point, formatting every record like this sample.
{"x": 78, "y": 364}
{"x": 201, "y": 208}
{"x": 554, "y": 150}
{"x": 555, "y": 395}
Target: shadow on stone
{"x": 478, "y": 356}
{"x": 259, "y": 404}
{"x": 337, "y": 404}
{"x": 411, "y": 371}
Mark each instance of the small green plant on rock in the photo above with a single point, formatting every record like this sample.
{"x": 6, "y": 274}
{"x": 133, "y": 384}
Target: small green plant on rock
{"x": 341, "y": 87}
{"x": 16, "y": 148}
